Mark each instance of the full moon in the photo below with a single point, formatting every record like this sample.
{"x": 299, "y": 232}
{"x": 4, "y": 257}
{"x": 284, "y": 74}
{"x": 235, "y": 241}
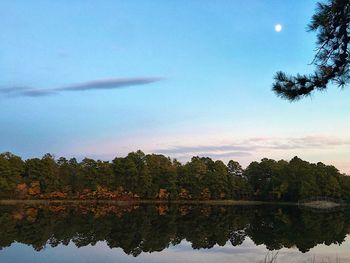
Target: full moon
{"x": 278, "y": 28}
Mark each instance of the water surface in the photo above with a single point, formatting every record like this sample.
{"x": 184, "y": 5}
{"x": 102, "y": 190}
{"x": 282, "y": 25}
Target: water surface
{"x": 172, "y": 233}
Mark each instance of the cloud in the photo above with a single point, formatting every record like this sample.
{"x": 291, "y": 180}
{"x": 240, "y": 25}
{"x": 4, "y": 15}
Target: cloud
{"x": 250, "y": 146}
{"x": 102, "y": 84}
{"x": 222, "y": 155}
{"x": 13, "y": 89}
{"x": 202, "y": 149}
{"x": 37, "y": 93}
{"x": 108, "y": 84}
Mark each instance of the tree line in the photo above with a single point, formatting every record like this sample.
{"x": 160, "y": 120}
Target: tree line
{"x": 155, "y": 176}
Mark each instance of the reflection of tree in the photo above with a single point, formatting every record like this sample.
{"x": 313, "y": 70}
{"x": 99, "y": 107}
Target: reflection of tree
{"x": 237, "y": 237}
{"x": 8, "y": 230}
{"x": 294, "y": 227}
{"x": 146, "y": 229}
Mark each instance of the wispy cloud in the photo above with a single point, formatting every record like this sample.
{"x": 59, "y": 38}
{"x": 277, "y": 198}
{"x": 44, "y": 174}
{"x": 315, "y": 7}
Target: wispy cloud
{"x": 250, "y": 146}
{"x": 35, "y": 93}
{"x": 102, "y": 84}
{"x": 108, "y": 84}
{"x": 215, "y": 155}
{"x": 13, "y": 89}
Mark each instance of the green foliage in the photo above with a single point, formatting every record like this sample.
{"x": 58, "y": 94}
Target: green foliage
{"x": 163, "y": 173}
{"x": 11, "y": 169}
{"x": 234, "y": 168}
{"x": 293, "y": 181}
{"x": 149, "y": 176}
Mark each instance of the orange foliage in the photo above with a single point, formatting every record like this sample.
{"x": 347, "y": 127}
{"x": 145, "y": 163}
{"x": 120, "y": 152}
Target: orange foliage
{"x": 31, "y": 214}
{"x": 105, "y": 194}
{"x": 18, "y": 215}
{"x": 54, "y": 195}
{"x": 163, "y": 194}
{"x": 184, "y": 194}
{"x": 57, "y": 208}
{"x": 162, "y": 209}
{"x": 101, "y": 193}
{"x": 21, "y": 190}
{"x": 34, "y": 188}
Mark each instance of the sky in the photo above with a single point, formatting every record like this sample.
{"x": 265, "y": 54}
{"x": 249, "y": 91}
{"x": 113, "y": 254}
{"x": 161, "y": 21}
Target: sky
{"x": 100, "y": 79}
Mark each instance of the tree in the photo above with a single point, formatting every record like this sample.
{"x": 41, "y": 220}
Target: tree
{"x": 328, "y": 180}
{"x": 194, "y": 176}
{"x": 260, "y": 177}
{"x": 89, "y": 173}
{"x": 220, "y": 186}
{"x": 332, "y": 24}
{"x": 158, "y": 176}
{"x": 50, "y": 180}
{"x": 240, "y": 188}
{"x": 11, "y": 170}
{"x": 234, "y": 168}
{"x": 44, "y": 171}
{"x": 281, "y": 181}
{"x": 105, "y": 176}
{"x": 163, "y": 173}
{"x": 304, "y": 182}
{"x": 74, "y": 178}
{"x": 68, "y": 170}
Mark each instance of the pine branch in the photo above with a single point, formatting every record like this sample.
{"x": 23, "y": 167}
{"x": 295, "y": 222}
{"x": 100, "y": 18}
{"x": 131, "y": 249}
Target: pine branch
{"x": 332, "y": 24}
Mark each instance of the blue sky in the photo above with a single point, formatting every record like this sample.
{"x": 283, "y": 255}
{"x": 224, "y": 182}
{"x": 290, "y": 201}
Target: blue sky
{"x": 210, "y": 64}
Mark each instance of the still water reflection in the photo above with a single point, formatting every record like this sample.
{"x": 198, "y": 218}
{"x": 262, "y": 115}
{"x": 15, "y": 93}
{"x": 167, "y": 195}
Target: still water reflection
{"x": 172, "y": 233}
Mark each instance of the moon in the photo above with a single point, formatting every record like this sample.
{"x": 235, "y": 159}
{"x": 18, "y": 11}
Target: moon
{"x": 278, "y": 27}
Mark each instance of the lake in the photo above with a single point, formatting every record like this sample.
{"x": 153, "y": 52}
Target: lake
{"x": 172, "y": 233}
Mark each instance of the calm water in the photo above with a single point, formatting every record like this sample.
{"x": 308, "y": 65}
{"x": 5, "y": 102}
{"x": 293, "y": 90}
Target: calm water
{"x": 176, "y": 233}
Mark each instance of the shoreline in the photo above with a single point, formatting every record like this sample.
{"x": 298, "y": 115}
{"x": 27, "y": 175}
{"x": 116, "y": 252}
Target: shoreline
{"x": 322, "y": 205}
{"x": 131, "y": 202}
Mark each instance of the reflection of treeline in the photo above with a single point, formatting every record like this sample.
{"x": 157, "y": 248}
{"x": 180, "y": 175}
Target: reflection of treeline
{"x": 156, "y": 176}
{"x": 150, "y": 228}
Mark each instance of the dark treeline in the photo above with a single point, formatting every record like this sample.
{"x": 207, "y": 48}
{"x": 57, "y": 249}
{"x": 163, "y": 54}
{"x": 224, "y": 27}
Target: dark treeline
{"x": 150, "y": 228}
{"x": 155, "y": 176}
